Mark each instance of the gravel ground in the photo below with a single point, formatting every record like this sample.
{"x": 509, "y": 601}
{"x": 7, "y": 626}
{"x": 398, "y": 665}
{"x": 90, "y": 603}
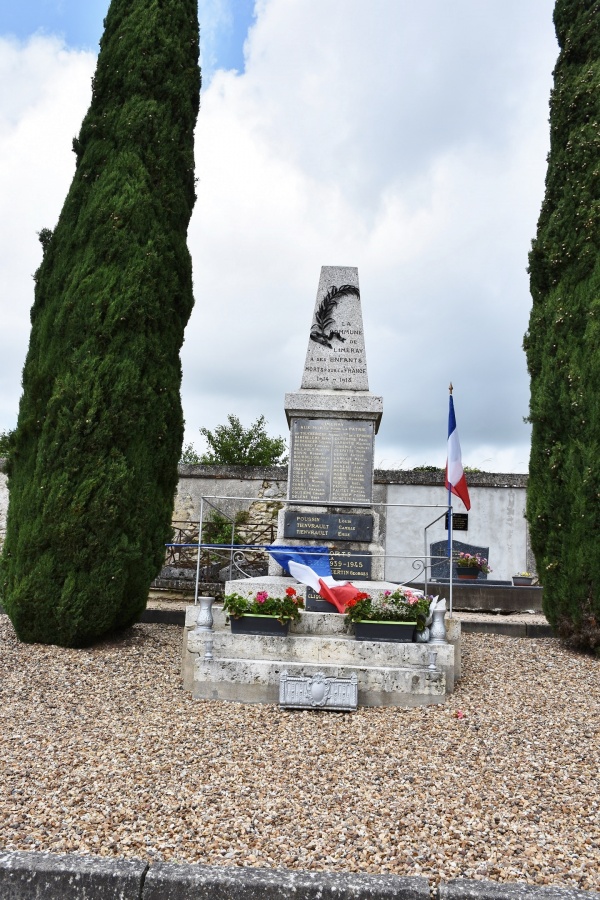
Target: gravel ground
{"x": 101, "y": 752}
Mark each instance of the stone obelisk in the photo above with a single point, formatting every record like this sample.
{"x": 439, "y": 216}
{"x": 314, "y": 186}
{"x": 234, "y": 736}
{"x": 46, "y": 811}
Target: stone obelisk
{"x": 333, "y": 420}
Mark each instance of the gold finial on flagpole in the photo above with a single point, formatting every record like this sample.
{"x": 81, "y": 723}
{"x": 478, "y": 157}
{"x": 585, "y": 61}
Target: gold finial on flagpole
{"x": 450, "y": 387}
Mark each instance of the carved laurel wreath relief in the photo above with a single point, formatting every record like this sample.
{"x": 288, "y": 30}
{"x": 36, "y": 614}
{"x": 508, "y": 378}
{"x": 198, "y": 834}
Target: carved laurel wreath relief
{"x": 323, "y": 330}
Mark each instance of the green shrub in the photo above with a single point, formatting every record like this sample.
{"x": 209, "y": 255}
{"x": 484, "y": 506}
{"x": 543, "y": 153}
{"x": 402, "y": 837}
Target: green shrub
{"x": 93, "y": 466}
{"x": 5, "y": 440}
{"x": 563, "y": 343}
{"x": 234, "y": 445}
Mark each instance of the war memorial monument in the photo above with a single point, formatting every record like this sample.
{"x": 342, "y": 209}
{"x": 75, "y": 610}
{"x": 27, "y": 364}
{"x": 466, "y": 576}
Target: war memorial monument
{"x": 333, "y": 420}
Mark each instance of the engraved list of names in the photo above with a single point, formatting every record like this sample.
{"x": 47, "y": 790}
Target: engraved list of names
{"x": 332, "y": 460}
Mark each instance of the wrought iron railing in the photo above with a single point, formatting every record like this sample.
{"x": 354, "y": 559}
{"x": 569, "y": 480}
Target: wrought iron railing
{"x": 242, "y": 558}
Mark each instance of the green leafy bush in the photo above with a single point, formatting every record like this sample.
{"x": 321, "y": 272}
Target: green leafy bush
{"x": 5, "y": 441}
{"x": 93, "y": 467}
{"x": 563, "y": 341}
{"x": 189, "y": 455}
{"x": 234, "y": 445}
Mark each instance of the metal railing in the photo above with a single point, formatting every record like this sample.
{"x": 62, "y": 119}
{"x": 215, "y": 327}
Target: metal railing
{"x": 210, "y": 557}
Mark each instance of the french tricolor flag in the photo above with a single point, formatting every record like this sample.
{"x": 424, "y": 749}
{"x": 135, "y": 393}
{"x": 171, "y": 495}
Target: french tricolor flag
{"x": 455, "y": 476}
{"x": 311, "y": 566}
{"x": 337, "y": 592}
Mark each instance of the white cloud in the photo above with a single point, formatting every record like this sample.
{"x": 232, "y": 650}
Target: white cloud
{"x": 406, "y": 139}
{"x": 45, "y": 91}
{"x": 410, "y": 142}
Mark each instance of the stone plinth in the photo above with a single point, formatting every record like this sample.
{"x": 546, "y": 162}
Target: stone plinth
{"x": 328, "y": 404}
{"x": 247, "y": 668}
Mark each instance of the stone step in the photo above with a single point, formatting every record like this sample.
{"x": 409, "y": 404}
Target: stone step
{"x": 323, "y": 628}
{"x": 341, "y": 650}
{"x": 257, "y": 681}
{"x": 309, "y": 623}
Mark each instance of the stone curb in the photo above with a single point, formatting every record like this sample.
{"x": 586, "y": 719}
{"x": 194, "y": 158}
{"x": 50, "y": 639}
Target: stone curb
{"x": 32, "y": 875}
{"x": 164, "y": 616}
{"x": 510, "y": 629}
{"x": 170, "y": 881}
{"x": 467, "y": 889}
{"x": 47, "y": 876}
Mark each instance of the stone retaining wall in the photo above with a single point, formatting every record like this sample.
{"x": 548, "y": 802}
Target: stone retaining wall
{"x": 496, "y": 518}
{"x": 47, "y": 876}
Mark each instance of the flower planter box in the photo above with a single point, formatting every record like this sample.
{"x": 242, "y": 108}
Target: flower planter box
{"x": 467, "y": 573}
{"x": 522, "y": 580}
{"x": 254, "y": 624}
{"x": 397, "y": 632}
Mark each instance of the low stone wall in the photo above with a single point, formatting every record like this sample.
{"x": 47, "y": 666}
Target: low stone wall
{"x": 33, "y": 876}
{"x": 496, "y": 519}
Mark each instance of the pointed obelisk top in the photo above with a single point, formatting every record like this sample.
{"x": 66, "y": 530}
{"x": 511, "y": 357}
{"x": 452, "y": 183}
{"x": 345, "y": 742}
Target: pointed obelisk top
{"x": 335, "y": 359}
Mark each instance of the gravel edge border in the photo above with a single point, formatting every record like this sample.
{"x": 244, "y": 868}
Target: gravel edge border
{"x": 28, "y": 875}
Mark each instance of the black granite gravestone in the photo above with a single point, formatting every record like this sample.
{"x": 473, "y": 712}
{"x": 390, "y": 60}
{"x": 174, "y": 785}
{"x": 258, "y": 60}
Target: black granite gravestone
{"x": 440, "y": 570}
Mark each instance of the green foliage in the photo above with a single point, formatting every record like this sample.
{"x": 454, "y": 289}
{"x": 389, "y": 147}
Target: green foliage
{"x": 563, "y": 340}
{"x": 403, "y": 605}
{"x": 5, "y": 440}
{"x": 234, "y": 445}
{"x": 189, "y": 455}
{"x": 217, "y": 528}
{"x": 262, "y": 604}
{"x": 94, "y": 460}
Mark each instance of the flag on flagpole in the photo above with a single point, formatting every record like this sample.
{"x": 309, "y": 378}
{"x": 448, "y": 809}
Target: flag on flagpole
{"x": 455, "y": 476}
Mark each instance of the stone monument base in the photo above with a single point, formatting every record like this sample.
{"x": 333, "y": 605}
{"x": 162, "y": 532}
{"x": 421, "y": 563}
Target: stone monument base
{"x": 247, "y": 668}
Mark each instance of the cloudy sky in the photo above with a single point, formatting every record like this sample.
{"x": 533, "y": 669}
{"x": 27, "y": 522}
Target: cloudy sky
{"x": 406, "y": 138}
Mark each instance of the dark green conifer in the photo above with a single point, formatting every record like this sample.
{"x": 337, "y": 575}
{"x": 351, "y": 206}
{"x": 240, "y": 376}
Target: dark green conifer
{"x": 563, "y": 342}
{"x": 93, "y": 466}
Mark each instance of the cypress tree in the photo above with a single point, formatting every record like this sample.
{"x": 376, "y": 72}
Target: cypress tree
{"x": 563, "y": 341}
{"x": 93, "y": 466}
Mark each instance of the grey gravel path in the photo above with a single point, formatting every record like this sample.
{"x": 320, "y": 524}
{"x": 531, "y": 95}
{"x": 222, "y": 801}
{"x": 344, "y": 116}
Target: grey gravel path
{"x": 101, "y": 752}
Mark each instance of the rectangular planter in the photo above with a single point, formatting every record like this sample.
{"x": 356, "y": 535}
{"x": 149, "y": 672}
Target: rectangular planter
{"x": 522, "y": 581}
{"x": 397, "y": 632}
{"x": 255, "y": 624}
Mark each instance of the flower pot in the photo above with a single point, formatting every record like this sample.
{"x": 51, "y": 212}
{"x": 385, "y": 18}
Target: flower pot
{"x": 397, "y": 632}
{"x": 467, "y": 573}
{"x": 522, "y": 580}
{"x": 255, "y": 624}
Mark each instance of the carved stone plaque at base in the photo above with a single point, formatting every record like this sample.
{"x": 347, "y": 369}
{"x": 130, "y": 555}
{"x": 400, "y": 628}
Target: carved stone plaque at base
{"x": 318, "y": 692}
